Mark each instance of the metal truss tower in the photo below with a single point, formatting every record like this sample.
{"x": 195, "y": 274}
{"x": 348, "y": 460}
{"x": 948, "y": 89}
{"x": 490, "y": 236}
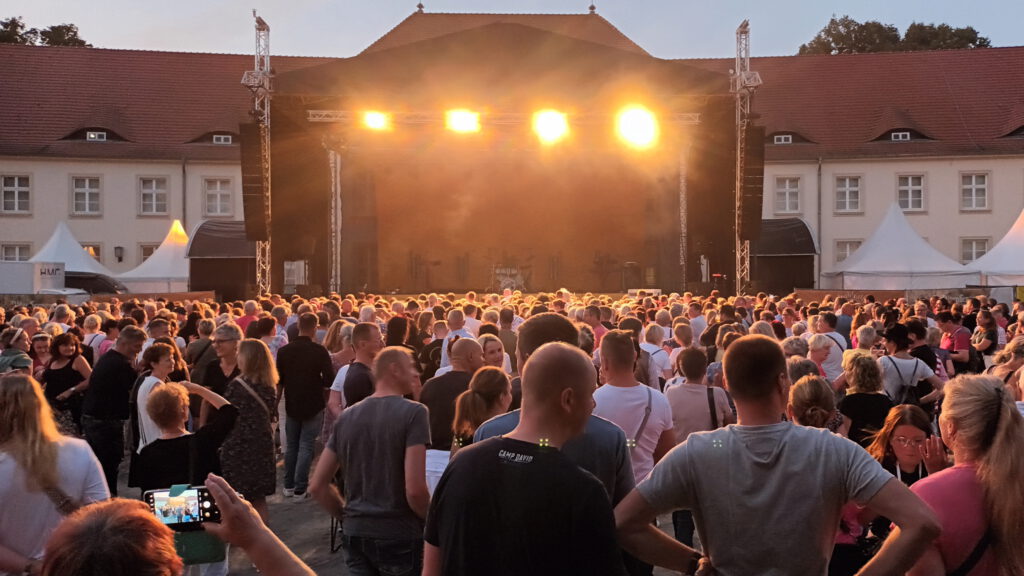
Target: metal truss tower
{"x": 258, "y": 81}
{"x": 744, "y": 83}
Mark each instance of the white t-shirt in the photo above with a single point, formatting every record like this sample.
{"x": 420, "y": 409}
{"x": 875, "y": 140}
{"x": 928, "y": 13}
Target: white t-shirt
{"x": 690, "y": 412}
{"x": 626, "y": 407}
{"x": 339, "y": 383}
{"x": 473, "y": 325}
{"x": 901, "y": 373}
{"x": 738, "y": 480}
{"x": 660, "y": 360}
{"x": 148, "y": 430}
{"x": 28, "y": 518}
{"x": 833, "y": 365}
{"x": 698, "y": 325}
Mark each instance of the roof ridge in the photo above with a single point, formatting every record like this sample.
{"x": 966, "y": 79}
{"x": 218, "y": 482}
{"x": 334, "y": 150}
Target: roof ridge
{"x": 154, "y": 51}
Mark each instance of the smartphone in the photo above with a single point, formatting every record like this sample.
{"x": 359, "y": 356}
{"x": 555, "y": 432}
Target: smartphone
{"x": 185, "y": 512}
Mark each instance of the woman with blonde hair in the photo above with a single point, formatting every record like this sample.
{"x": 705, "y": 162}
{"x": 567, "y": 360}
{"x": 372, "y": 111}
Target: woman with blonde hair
{"x": 865, "y": 405}
{"x": 247, "y": 455}
{"x": 979, "y": 501}
{"x": 338, "y": 342}
{"x": 43, "y": 475}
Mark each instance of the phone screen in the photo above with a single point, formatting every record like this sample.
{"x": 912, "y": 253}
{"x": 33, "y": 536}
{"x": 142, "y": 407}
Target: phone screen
{"x": 184, "y": 512}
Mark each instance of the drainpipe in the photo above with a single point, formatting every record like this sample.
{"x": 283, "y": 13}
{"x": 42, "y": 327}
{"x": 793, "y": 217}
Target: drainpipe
{"x": 821, "y": 248}
{"x": 184, "y": 194}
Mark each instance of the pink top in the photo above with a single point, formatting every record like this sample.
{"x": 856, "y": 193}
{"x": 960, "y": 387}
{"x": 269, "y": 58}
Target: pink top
{"x": 957, "y": 498}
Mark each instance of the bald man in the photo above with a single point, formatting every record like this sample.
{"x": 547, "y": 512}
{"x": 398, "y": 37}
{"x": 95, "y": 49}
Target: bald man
{"x": 515, "y": 504}
{"x": 439, "y": 393}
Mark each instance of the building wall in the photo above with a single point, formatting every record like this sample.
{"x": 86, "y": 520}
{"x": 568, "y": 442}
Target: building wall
{"x": 942, "y": 221}
{"x": 119, "y": 221}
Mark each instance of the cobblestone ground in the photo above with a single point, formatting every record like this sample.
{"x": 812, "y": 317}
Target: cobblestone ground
{"x": 305, "y": 528}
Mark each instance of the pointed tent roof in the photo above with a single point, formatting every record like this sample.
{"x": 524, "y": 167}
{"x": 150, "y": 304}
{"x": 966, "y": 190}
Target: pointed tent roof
{"x": 895, "y": 248}
{"x": 168, "y": 262}
{"x": 1005, "y": 258}
{"x": 62, "y": 247}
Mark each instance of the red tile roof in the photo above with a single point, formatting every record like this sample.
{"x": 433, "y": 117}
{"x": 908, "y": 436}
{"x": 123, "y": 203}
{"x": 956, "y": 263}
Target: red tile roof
{"x": 964, "y": 100}
{"x": 425, "y": 25}
{"x": 159, "y": 102}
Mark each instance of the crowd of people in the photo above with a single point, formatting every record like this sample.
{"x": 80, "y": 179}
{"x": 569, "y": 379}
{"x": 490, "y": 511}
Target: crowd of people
{"x": 522, "y": 433}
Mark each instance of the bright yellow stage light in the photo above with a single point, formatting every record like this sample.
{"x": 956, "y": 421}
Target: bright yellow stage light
{"x": 550, "y": 126}
{"x": 377, "y": 120}
{"x": 637, "y": 126}
{"x": 462, "y": 120}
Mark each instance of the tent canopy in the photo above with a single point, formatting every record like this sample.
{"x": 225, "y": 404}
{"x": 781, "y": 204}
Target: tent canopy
{"x": 1003, "y": 265}
{"x": 896, "y": 257}
{"x": 63, "y": 247}
{"x": 168, "y": 262}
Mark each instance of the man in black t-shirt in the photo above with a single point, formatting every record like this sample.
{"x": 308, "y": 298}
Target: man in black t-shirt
{"x": 515, "y": 504}
{"x": 440, "y": 392}
{"x": 367, "y": 342}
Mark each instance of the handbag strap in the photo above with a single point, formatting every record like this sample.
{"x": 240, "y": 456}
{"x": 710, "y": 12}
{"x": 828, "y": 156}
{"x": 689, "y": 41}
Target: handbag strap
{"x": 64, "y": 503}
{"x": 643, "y": 423}
{"x": 975, "y": 556}
{"x": 254, "y": 395}
{"x": 711, "y": 408}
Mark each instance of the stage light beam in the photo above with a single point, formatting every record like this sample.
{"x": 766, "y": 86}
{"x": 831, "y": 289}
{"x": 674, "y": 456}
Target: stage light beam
{"x": 550, "y": 126}
{"x": 462, "y": 121}
{"x": 377, "y": 120}
{"x": 637, "y": 127}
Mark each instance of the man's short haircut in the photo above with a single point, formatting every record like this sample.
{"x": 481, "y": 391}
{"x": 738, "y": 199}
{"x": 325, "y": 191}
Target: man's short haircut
{"x": 693, "y": 364}
{"x": 206, "y": 327}
{"x": 553, "y": 367}
{"x": 363, "y": 332}
{"x": 829, "y": 318}
{"x": 593, "y": 311}
{"x": 633, "y": 325}
{"x": 456, "y": 315}
{"x": 544, "y": 328}
{"x": 618, "y": 349}
{"x": 131, "y": 334}
{"x": 945, "y": 316}
{"x": 684, "y": 333}
{"x": 506, "y": 315}
{"x": 388, "y": 357}
{"x": 308, "y": 322}
{"x": 265, "y": 326}
{"x": 752, "y": 367}
{"x": 917, "y": 328}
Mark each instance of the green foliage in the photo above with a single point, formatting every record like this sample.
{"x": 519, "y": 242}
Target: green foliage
{"x": 14, "y": 31}
{"x": 844, "y": 35}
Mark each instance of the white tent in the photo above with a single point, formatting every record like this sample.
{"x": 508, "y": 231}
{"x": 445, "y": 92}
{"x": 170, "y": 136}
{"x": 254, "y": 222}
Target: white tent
{"x": 1003, "y": 265}
{"x": 166, "y": 270}
{"x": 62, "y": 247}
{"x": 895, "y": 257}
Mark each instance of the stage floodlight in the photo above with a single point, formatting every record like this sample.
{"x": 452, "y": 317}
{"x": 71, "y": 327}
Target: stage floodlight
{"x": 377, "y": 120}
{"x": 462, "y": 121}
{"x": 550, "y": 126}
{"x": 637, "y": 127}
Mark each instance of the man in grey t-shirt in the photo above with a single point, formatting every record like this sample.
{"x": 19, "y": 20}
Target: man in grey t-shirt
{"x": 766, "y": 495}
{"x": 379, "y": 444}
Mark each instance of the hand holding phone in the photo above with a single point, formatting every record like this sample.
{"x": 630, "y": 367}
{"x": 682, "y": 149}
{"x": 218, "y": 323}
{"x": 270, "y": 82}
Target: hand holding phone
{"x": 184, "y": 512}
{"x": 240, "y": 524}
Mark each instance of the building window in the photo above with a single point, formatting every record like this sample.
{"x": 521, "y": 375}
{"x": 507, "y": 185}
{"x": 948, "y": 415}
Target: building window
{"x": 848, "y": 194}
{"x": 86, "y": 195}
{"x": 844, "y": 248}
{"x": 974, "y": 191}
{"x": 14, "y": 252}
{"x": 910, "y": 193}
{"x": 900, "y": 136}
{"x": 783, "y": 139}
{"x": 146, "y": 250}
{"x": 218, "y": 197}
{"x": 153, "y": 196}
{"x": 94, "y": 250}
{"x": 972, "y": 248}
{"x": 16, "y": 194}
{"x": 95, "y": 136}
{"x": 222, "y": 138}
{"x": 787, "y": 195}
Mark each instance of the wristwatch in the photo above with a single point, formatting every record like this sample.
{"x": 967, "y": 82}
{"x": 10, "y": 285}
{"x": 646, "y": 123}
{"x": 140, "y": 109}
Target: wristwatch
{"x": 694, "y": 563}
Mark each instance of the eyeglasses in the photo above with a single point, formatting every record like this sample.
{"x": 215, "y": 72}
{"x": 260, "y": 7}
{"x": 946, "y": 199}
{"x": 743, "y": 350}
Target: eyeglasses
{"x": 907, "y": 442}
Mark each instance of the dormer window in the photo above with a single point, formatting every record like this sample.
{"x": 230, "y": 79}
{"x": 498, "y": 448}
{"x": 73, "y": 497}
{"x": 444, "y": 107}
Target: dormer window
{"x": 224, "y": 139}
{"x": 901, "y": 136}
{"x": 783, "y": 139}
{"x": 95, "y": 136}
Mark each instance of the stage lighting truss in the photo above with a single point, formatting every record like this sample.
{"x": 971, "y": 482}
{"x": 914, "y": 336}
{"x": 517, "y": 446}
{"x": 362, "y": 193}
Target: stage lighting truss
{"x": 375, "y": 120}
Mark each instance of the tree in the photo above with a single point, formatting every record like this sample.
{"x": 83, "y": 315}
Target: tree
{"x": 13, "y": 31}
{"x": 845, "y": 35}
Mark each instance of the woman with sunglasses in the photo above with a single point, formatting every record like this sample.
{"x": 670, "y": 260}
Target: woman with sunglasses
{"x": 218, "y": 374}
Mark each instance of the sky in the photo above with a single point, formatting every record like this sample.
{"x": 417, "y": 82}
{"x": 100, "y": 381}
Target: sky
{"x": 338, "y": 28}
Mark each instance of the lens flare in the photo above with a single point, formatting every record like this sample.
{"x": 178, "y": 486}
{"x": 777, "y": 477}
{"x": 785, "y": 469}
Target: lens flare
{"x": 637, "y": 127}
{"x": 377, "y": 120}
{"x": 462, "y": 121}
{"x": 550, "y": 126}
